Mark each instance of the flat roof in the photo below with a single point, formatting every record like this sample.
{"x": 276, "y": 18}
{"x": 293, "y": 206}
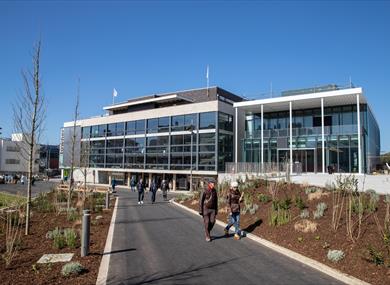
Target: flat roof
{"x": 304, "y": 101}
{"x": 146, "y": 100}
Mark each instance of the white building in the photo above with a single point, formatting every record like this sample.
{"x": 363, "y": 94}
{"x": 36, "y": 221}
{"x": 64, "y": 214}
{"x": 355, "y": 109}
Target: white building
{"x": 14, "y": 155}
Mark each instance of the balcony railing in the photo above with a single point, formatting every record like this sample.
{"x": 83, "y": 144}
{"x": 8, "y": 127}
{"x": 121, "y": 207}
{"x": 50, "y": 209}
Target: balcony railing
{"x": 314, "y": 131}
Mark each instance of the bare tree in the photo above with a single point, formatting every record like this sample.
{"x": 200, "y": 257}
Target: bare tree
{"x": 29, "y": 115}
{"x": 84, "y": 162}
{"x": 74, "y": 141}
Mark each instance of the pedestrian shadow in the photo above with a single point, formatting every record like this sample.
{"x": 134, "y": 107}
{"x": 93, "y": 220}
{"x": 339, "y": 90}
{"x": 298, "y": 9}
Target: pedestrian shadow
{"x": 253, "y": 226}
{"x": 190, "y": 273}
{"x": 150, "y": 220}
{"x": 119, "y": 251}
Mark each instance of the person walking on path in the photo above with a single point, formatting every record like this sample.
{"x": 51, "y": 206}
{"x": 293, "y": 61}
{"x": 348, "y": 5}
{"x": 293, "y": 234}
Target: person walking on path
{"x": 113, "y": 184}
{"x": 153, "y": 190}
{"x": 234, "y": 199}
{"x": 164, "y": 189}
{"x": 208, "y": 208}
{"x": 141, "y": 191}
{"x": 133, "y": 184}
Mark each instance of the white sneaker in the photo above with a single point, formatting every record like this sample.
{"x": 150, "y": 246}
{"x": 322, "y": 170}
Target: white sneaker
{"x": 142, "y": 202}
{"x": 139, "y": 203}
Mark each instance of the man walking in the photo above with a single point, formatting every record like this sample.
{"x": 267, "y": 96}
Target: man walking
{"x": 208, "y": 208}
{"x": 234, "y": 199}
{"x": 141, "y": 191}
{"x": 153, "y": 190}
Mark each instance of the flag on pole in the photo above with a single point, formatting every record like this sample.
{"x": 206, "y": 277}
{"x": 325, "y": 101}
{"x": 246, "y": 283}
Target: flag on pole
{"x": 114, "y": 94}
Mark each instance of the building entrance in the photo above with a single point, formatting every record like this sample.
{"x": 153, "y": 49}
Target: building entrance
{"x": 304, "y": 160}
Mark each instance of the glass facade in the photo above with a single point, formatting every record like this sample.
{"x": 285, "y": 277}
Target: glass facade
{"x": 162, "y": 143}
{"x": 341, "y": 138}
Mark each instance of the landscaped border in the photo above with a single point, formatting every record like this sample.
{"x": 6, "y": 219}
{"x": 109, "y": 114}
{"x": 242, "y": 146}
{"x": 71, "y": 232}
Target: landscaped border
{"x": 336, "y": 274}
{"x": 105, "y": 261}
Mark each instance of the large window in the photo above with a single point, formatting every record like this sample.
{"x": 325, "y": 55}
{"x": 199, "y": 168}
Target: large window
{"x": 157, "y": 152}
{"x": 134, "y": 152}
{"x": 86, "y": 132}
{"x": 207, "y": 120}
{"x": 183, "y": 122}
{"x": 114, "y": 153}
{"x": 135, "y": 127}
{"x": 115, "y": 129}
{"x": 225, "y": 122}
{"x": 98, "y": 131}
{"x": 159, "y": 125}
{"x": 181, "y": 151}
{"x": 206, "y": 155}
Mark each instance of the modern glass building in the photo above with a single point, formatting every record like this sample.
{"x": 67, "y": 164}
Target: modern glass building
{"x": 173, "y": 136}
{"x": 314, "y": 128}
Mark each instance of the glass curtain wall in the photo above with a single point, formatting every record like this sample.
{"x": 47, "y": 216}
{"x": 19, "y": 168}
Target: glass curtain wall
{"x": 162, "y": 143}
{"x": 340, "y": 136}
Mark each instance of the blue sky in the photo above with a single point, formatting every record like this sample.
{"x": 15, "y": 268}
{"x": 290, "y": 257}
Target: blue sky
{"x": 141, "y": 48}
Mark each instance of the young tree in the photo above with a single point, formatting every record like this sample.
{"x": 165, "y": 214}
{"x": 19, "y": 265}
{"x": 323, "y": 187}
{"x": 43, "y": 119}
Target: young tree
{"x": 74, "y": 141}
{"x": 29, "y": 115}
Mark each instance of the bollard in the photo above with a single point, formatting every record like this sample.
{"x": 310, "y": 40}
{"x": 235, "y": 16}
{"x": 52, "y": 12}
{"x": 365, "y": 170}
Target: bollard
{"x": 107, "y": 200}
{"x": 85, "y": 233}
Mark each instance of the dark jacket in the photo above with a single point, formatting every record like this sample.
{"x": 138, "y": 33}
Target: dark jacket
{"x": 153, "y": 187}
{"x": 208, "y": 201}
{"x": 133, "y": 183}
{"x": 233, "y": 200}
{"x": 141, "y": 187}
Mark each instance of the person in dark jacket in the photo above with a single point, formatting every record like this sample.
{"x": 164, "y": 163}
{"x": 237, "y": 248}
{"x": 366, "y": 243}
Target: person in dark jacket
{"x": 234, "y": 199}
{"x": 164, "y": 189}
{"x": 153, "y": 190}
{"x": 141, "y": 191}
{"x": 113, "y": 185}
{"x": 208, "y": 208}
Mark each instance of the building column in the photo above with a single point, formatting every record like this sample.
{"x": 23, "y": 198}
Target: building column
{"x": 174, "y": 182}
{"x": 150, "y": 180}
{"x": 359, "y": 135}
{"x": 291, "y": 150}
{"x": 262, "y": 139}
{"x": 128, "y": 179}
{"x": 109, "y": 179}
{"x": 236, "y": 136}
{"x": 323, "y": 135}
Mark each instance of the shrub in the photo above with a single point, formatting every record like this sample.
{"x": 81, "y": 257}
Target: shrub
{"x": 72, "y": 215}
{"x": 263, "y": 198}
{"x": 372, "y": 205}
{"x": 58, "y": 238}
{"x": 319, "y": 212}
{"x": 285, "y": 204}
{"x": 72, "y": 268}
{"x": 182, "y": 198}
{"x": 304, "y": 214}
{"x": 335, "y": 255}
{"x": 305, "y": 226}
{"x": 70, "y": 237}
{"x": 299, "y": 203}
{"x": 375, "y": 256}
{"x": 278, "y": 215}
{"x": 42, "y": 203}
{"x": 310, "y": 190}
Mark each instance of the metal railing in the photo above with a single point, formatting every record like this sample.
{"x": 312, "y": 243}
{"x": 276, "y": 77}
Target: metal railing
{"x": 266, "y": 168}
{"x": 328, "y": 130}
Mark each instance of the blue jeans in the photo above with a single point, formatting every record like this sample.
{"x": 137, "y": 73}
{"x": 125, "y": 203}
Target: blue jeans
{"x": 234, "y": 220}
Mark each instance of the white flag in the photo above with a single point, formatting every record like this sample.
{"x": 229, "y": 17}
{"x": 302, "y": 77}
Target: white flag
{"x": 114, "y": 93}
{"x": 207, "y": 72}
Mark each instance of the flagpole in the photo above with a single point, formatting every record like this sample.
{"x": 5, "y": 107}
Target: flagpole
{"x": 207, "y": 77}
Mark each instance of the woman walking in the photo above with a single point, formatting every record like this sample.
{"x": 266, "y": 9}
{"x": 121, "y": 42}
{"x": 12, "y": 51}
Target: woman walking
{"x": 234, "y": 199}
{"x": 208, "y": 208}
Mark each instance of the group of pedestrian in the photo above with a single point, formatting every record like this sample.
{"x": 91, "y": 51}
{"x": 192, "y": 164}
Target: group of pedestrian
{"x": 13, "y": 179}
{"x": 208, "y": 209}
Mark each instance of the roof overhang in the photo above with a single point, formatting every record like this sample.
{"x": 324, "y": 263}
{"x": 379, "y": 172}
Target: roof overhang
{"x": 304, "y": 101}
{"x": 158, "y": 99}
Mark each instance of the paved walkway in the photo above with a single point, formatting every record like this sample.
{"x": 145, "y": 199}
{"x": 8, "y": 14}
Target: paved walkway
{"x": 163, "y": 244}
{"x": 19, "y": 189}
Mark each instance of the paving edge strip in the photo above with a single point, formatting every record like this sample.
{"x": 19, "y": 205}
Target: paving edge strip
{"x": 336, "y": 274}
{"x": 105, "y": 262}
